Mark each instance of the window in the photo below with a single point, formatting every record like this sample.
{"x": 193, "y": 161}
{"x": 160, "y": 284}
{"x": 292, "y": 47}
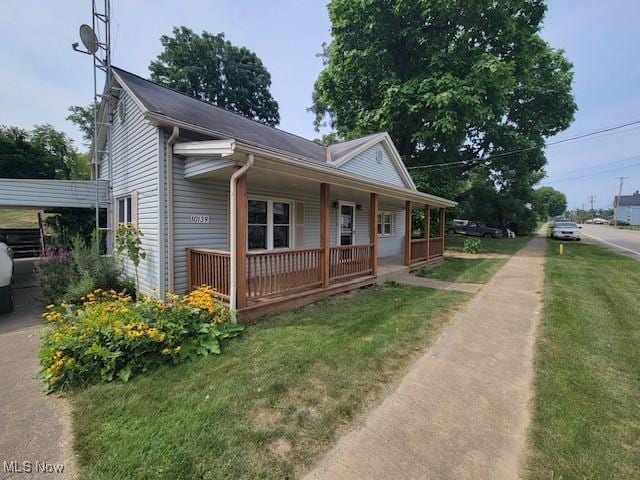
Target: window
{"x": 124, "y": 210}
{"x": 269, "y": 225}
{"x": 385, "y": 224}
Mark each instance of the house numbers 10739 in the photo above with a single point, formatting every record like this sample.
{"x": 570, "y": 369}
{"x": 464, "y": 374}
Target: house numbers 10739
{"x": 200, "y": 218}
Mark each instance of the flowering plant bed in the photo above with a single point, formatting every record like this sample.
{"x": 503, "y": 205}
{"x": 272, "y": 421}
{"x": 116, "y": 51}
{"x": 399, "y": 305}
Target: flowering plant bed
{"x": 108, "y": 336}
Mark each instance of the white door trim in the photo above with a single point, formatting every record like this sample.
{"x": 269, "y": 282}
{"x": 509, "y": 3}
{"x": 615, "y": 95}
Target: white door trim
{"x": 338, "y": 218}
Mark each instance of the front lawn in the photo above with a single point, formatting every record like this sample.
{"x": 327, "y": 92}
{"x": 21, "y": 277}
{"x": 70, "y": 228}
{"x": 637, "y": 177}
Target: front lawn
{"x": 272, "y": 403}
{"x": 465, "y": 270}
{"x": 587, "y": 410}
{"x": 506, "y": 246}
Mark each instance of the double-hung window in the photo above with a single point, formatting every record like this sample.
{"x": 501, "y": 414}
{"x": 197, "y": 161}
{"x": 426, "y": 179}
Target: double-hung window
{"x": 385, "y": 224}
{"x": 269, "y": 225}
{"x": 124, "y": 210}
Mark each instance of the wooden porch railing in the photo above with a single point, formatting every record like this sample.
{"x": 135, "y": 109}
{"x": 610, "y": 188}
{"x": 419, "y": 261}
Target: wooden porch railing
{"x": 418, "y": 249}
{"x": 276, "y": 272}
{"x": 210, "y": 267}
{"x": 349, "y": 261}
{"x": 435, "y": 247}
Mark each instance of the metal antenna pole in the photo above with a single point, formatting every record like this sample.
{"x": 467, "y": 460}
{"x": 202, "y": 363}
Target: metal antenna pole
{"x": 102, "y": 62}
{"x": 615, "y": 209}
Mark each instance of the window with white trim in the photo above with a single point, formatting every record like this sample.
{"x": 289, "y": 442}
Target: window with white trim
{"x": 124, "y": 210}
{"x": 385, "y": 224}
{"x": 269, "y": 224}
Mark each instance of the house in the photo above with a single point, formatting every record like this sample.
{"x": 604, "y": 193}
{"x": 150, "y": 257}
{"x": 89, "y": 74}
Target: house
{"x": 627, "y": 208}
{"x": 269, "y": 219}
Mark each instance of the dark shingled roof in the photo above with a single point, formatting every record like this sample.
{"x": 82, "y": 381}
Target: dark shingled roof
{"x": 181, "y": 107}
{"x": 628, "y": 200}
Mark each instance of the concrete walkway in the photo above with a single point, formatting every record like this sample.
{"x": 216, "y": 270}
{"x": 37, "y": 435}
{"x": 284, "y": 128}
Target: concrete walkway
{"x": 462, "y": 410}
{"x": 34, "y": 427}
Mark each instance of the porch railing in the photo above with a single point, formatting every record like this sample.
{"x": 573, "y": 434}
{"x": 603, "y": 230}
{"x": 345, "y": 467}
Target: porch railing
{"x": 419, "y": 249}
{"x": 277, "y": 272}
{"x": 435, "y": 247}
{"x": 210, "y": 267}
{"x": 349, "y": 261}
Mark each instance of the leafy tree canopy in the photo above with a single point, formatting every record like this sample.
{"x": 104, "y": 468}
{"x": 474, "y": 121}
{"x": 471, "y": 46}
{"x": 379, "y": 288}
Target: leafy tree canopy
{"x": 211, "y": 68}
{"x": 42, "y": 152}
{"x": 549, "y": 202}
{"x": 83, "y": 118}
{"x": 451, "y": 82}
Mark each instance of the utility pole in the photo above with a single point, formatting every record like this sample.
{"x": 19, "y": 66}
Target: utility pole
{"x": 615, "y": 207}
{"x": 592, "y": 200}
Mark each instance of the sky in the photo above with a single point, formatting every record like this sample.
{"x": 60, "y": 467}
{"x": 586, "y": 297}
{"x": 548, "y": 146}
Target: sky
{"x": 41, "y": 76}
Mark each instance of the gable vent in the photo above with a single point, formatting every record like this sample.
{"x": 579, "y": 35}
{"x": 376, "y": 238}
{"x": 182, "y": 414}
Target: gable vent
{"x": 379, "y": 156}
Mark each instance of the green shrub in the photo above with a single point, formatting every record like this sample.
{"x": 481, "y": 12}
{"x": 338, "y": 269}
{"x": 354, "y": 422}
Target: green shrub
{"x": 71, "y": 274}
{"x": 472, "y": 245}
{"x": 109, "y": 336}
{"x": 55, "y": 271}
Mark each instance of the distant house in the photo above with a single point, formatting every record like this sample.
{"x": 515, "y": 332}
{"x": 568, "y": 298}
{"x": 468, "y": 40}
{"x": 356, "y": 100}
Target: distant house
{"x": 628, "y": 208}
{"x": 269, "y": 219}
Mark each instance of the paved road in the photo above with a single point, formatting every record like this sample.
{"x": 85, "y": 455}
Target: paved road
{"x": 626, "y": 242}
{"x": 462, "y": 411}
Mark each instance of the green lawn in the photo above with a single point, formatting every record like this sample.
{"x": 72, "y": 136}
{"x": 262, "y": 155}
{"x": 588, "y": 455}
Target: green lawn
{"x": 587, "y": 412}
{"x": 18, "y": 218}
{"x": 506, "y": 246}
{"x": 272, "y": 403}
{"x": 465, "y": 270}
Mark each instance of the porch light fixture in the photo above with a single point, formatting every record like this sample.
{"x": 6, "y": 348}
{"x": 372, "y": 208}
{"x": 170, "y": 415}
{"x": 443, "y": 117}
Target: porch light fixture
{"x": 335, "y": 204}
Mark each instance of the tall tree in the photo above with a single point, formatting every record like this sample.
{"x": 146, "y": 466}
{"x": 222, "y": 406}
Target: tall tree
{"x": 211, "y": 68}
{"x": 549, "y": 202}
{"x": 451, "y": 82}
{"x": 43, "y": 152}
{"x": 83, "y": 118}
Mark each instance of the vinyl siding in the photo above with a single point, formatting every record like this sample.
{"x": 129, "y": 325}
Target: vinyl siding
{"x": 365, "y": 164}
{"x": 394, "y": 245}
{"x": 52, "y": 193}
{"x": 210, "y": 198}
{"x": 135, "y": 169}
{"x": 629, "y": 214}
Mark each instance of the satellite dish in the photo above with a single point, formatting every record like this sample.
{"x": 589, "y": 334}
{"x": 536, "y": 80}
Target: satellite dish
{"x": 88, "y": 38}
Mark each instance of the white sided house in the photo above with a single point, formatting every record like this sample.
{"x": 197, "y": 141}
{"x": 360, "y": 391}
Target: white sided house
{"x": 269, "y": 219}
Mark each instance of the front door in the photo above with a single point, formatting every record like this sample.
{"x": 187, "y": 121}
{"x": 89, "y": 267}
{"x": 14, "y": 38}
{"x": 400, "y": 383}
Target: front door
{"x": 347, "y": 223}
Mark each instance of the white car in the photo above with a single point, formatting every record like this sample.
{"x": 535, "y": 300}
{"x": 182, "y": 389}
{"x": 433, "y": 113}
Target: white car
{"x": 565, "y": 231}
{"x": 6, "y": 278}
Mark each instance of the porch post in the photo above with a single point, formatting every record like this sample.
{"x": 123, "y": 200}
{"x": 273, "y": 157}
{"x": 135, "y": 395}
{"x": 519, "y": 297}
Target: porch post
{"x": 324, "y": 233}
{"x": 442, "y": 217}
{"x": 373, "y": 232}
{"x": 407, "y": 232}
{"x": 427, "y": 226}
{"x": 241, "y": 241}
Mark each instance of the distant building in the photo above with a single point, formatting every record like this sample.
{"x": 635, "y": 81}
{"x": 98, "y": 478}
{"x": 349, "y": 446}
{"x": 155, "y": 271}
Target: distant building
{"x": 628, "y": 208}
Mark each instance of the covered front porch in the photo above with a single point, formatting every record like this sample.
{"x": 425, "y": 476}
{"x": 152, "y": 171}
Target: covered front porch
{"x": 299, "y": 240}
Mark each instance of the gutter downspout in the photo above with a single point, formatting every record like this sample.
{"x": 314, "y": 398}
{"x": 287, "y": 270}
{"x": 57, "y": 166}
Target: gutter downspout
{"x": 169, "y": 155}
{"x": 232, "y": 233}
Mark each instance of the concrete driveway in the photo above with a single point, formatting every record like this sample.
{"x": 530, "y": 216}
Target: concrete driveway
{"x": 35, "y": 432}
{"x": 626, "y": 242}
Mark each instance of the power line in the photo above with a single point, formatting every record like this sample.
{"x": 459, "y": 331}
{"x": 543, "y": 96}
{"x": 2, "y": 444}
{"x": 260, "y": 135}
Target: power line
{"x": 514, "y": 152}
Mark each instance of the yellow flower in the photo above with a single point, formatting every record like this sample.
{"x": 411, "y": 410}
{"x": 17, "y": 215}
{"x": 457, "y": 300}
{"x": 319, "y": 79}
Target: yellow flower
{"x": 166, "y": 351}
{"x": 50, "y": 306}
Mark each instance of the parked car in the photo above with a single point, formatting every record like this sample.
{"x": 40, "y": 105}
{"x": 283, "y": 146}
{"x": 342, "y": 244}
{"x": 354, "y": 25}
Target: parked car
{"x": 6, "y": 278}
{"x": 474, "y": 229}
{"x": 564, "y": 231}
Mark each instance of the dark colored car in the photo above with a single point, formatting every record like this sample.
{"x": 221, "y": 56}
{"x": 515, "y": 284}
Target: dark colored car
{"x": 475, "y": 229}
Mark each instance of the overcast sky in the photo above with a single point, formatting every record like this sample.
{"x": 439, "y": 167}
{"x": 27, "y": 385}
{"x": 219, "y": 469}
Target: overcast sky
{"x": 41, "y": 76}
